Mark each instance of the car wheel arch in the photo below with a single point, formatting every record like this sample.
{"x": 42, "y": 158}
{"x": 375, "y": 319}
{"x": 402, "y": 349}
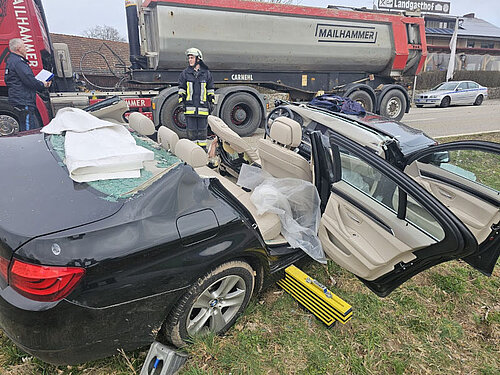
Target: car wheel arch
{"x": 175, "y": 328}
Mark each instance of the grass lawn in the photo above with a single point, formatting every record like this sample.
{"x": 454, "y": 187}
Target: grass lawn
{"x": 445, "y": 320}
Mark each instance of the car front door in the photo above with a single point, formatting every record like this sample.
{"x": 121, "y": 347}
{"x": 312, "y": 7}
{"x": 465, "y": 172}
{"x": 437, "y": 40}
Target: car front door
{"x": 460, "y": 96}
{"x": 465, "y": 177}
{"x": 383, "y": 226}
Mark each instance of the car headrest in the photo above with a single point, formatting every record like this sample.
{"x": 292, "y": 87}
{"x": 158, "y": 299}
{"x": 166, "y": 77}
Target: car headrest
{"x": 191, "y": 153}
{"x": 141, "y": 124}
{"x": 167, "y": 138}
{"x": 286, "y": 131}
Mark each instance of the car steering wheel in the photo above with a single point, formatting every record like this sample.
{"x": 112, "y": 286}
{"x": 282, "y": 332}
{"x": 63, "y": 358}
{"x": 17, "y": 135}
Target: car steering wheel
{"x": 274, "y": 114}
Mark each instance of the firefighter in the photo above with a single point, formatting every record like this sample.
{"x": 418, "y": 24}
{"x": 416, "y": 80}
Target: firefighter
{"x": 22, "y": 85}
{"x": 196, "y": 94}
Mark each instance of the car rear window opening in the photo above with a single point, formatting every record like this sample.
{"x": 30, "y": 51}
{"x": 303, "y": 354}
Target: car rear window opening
{"x": 126, "y": 187}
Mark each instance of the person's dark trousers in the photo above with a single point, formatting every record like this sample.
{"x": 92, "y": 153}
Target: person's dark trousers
{"x": 196, "y": 128}
{"x": 28, "y": 118}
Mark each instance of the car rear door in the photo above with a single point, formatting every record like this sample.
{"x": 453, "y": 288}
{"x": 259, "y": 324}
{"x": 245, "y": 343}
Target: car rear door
{"x": 465, "y": 177}
{"x": 381, "y": 225}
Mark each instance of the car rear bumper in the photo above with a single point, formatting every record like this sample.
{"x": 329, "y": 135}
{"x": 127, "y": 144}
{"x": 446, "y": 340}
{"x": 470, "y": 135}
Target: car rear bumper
{"x": 68, "y": 333}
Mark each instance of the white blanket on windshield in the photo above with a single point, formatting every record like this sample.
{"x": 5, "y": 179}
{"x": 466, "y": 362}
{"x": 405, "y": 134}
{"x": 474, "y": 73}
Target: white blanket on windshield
{"x": 97, "y": 149}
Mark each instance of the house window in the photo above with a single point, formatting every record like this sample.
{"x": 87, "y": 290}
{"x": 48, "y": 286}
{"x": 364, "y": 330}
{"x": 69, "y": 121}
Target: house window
{"x": 470, "y": 44}
{"x": 487, "y": 45}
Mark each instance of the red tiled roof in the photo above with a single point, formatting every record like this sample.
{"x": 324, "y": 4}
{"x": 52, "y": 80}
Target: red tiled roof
{"x": 94, "y": 63}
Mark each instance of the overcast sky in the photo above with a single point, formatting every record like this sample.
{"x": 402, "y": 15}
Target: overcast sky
{"x": 73, "y": 17}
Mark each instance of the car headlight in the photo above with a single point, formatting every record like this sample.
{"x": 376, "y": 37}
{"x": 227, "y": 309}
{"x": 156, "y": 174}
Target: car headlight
{"x": 433, "y": 96}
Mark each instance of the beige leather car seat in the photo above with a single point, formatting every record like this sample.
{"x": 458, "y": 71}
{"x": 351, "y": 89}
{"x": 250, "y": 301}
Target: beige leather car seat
{"x": 190, "y": 153}
{"x": 277, "y": 153}
{"x": 167, "y": 138}
{"x": 141, "y": 124}
{"x": 231, "y": 138}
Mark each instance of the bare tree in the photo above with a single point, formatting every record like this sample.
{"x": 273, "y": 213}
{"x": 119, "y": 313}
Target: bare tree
{"x": 104, "y": 32}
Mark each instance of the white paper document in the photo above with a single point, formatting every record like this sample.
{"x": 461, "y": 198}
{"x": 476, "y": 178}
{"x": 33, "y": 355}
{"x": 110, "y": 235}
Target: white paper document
{"x": 44, "y": 75}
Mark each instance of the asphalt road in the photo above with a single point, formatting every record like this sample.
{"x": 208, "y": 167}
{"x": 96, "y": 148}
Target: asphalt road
{"x": 455, "y": 120}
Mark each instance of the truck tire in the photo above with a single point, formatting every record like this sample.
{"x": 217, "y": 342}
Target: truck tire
{"x": 9, "y": 122}
{"x": 363, "y": 98}
{"x": 393, "y": 105}
{"x": 242, "y": 113}
{"x": 172, "y": 116}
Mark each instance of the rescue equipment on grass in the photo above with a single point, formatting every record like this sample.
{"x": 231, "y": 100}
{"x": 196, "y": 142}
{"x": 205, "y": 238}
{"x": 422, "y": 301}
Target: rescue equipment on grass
{"x": 315, "y": 297}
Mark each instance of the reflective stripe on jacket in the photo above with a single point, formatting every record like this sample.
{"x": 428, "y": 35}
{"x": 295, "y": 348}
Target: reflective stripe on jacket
{"x": 196, "y": 89}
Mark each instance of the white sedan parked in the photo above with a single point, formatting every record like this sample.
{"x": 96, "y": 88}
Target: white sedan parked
{"x": 453, "y": 92}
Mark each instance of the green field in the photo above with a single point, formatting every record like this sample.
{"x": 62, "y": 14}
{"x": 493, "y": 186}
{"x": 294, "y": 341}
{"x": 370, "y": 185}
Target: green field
{"x": 445, "y": 320}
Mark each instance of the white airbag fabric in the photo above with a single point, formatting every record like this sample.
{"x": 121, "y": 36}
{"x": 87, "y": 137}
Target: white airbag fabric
{"x": 97, "y": 149}
{"x": 295, "y": 201}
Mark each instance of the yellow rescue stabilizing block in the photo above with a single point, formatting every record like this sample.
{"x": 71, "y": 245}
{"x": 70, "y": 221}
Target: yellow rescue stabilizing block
{"x": 315, "y": 297}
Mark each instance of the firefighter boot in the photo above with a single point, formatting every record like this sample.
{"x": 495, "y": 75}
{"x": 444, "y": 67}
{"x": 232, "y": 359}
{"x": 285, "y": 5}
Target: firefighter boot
{"x": 201, "y": 138}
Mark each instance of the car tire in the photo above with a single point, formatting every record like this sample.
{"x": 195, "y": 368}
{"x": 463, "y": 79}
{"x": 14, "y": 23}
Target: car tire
{"x": 420, "y": 105}
{"x": 204, "y": 302}
{"x": 363, "y": 98}
{"x": 479, "y": 100}
{"x": 393, "y": 105}
{"x": 9, "y": 121}
{"x": 445, "y": 102}
{"x": 172, "y": 116}
{"x": 242, "y": 113}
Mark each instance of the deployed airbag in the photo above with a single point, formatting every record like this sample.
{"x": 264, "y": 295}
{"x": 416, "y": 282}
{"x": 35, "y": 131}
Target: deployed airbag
{"x": 295, "y": 201}
{"x": 97, "y": 149}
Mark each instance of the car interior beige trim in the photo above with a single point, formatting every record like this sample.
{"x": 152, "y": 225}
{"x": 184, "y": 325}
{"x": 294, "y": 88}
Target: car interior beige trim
{"x": 277, "y": 155}
{"x": 167, "y": 138}
{"x": 191, "y": 153}
{"x": 358, "y": 243}
{"x": 358, "y": 133}
{"x": 269, "y": 224}
{"x": 477, "y": 214}
{"x": 231, "y": 138}
{"x": 141, "y": 124}
{"x": 113, "y": 113}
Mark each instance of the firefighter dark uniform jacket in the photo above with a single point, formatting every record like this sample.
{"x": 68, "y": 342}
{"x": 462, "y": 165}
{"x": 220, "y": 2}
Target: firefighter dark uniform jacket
{"x": 21, "y": 82}
{"x": 196, "y": 91}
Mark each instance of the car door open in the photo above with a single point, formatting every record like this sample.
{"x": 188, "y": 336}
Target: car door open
{"x": 465, "y": 177}
{"x": 381, "y": 225}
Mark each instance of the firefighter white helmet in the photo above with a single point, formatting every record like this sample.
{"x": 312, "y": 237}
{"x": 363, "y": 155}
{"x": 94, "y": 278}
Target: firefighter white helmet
{"x": 195, "y": 52}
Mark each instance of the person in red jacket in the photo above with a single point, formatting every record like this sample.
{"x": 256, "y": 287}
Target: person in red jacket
{"x": 22, "y": 85}
{"x": 197, "y": 95}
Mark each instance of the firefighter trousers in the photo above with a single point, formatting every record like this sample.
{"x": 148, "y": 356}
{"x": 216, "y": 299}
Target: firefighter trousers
{"x": 197, "y": 129}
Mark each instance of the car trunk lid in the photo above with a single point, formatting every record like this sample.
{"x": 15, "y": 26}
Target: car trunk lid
{"x": 38, "y": 197}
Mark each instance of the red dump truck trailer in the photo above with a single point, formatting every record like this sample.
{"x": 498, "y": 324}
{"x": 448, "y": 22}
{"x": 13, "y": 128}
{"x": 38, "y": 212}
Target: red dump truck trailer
{"x": 296, "y": 49}
{"x": 299, "y": 50}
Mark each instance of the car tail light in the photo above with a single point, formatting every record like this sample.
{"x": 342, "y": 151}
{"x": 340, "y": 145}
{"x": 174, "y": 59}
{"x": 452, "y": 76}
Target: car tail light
{"x": 43, "y": 283}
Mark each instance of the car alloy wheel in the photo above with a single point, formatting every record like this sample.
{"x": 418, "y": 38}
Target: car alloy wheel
{"x": 212, "y": 304}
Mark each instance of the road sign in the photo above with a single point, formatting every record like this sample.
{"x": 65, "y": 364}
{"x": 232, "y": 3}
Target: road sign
{"x": 425, "y": 6}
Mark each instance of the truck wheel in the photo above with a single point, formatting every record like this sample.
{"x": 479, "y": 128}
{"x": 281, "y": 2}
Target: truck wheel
{"x": 242, "y": 113}
{"x": 9, "y": 123}
{"x": 363, "y": 98}
{"x": 393, "y": 105}
{"x": 212, "y": 304}
{"x": 172, "y": 116}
